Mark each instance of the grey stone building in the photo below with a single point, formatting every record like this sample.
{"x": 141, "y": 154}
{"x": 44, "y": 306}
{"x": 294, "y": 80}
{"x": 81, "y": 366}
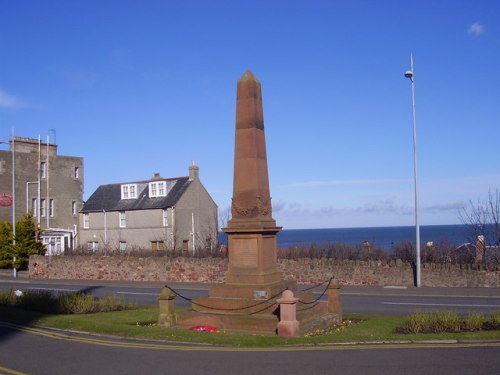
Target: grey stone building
{"x": 48, "y": 185}
{"x": 156, "y": 214}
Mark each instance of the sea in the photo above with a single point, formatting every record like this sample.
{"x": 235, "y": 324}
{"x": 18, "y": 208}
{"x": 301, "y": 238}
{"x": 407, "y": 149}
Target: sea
{"x": 383, "y": 237}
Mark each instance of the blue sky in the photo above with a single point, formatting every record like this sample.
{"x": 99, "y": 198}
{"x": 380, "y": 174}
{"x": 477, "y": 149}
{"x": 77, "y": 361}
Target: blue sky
{"x": 138, "y": 87}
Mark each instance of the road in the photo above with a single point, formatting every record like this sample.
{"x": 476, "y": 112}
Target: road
{"x": 55, "y": 353}
{"x": 364, "y": 300}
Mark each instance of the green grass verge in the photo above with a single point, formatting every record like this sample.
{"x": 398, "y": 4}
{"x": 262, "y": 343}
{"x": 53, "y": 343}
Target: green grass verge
{"x": 140, "y": 322}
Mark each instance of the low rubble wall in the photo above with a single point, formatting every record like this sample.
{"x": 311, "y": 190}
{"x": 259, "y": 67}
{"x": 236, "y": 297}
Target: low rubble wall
{"x": 213, "y": 270}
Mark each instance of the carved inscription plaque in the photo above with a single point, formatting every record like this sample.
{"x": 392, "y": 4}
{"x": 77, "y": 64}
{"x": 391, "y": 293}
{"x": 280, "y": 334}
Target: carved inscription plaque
{"x": 269, "y": 252}
{"x": 244, "y": 252}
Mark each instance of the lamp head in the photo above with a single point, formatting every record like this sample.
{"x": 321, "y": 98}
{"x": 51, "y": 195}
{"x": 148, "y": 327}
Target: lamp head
{"x": 409, "y": 74}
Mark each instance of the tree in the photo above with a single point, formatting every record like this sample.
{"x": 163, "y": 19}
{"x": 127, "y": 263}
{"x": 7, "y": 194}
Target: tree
{"x": 26, "y": 242}
{"x": 5, "y": 244}
{"x": 482, "y": 219}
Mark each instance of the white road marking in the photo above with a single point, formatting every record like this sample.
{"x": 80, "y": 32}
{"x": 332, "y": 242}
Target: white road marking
{"x": 58, "y": 289}
{"x": 438, "y": 304}
{"x": 142, "y": 294}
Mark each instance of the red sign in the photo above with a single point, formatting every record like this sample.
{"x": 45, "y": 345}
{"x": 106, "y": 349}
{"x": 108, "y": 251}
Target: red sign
{"x": 5, "y": 200}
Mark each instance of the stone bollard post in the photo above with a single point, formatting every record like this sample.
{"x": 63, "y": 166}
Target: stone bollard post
{"x": 167, "y": 317}
{"x": 334, "y": 306}
{"x": 288, "y": 325}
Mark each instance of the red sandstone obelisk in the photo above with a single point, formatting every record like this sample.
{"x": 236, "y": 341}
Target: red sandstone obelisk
{"x": 252, "y": 230}
{"x": 248, "y": 299}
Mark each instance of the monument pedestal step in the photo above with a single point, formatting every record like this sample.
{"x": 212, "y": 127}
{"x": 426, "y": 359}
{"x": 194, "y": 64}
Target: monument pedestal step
{"x": 254, "y": 315}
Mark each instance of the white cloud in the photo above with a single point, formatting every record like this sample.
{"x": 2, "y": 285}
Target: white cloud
{"x": 445, "y": 207}
{"x": 476, "y": 29}
{"x": 9, "y": 101}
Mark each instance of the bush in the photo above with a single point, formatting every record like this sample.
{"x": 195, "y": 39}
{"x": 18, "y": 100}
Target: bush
{"x": 475, "y": 322}
{"x": 112, "y": 303}
{"x": 37, "y": 300}
{"x": 493, "y": 322}
{"x": 437, "y": 322}
{"x": 68, "y": 303}
{"x": 77, "y": 303}
{"x": 7, "y": 297}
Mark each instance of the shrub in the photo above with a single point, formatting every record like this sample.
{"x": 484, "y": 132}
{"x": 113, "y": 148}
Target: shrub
{"x": 474, "y": 322}
{"x": 445, "y": 321}
{"x": 416, "y": 323}
{"x": 37, "y": 300}
{"x": 6, "y": 297}
{"x": 68, "y": 303}
{"x": 77, "y": 303}
{"x": 493, "y": 322}
{"x": 437, "y": 322}
{"x": 112, "y": 303}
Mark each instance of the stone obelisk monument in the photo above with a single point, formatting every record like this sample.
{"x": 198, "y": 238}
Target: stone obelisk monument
{"x": 248, "y": 298}
{"x": 252, "y": 230}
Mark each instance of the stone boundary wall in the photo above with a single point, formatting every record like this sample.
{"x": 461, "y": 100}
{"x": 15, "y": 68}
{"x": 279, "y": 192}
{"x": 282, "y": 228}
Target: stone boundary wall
{"x": 213, "y": 270}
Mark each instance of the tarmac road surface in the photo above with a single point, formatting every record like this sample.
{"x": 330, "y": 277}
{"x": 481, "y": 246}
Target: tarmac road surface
{"x": 373, "y": 300}
{"x": 34, "y": 351}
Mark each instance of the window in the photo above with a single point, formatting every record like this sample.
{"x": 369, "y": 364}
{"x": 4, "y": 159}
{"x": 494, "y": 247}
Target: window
{"x": 157, "y": 245}
{"x": 129, "y": 191}
{"x": 123, "y": 219}
{"x": 42, "y": 207}
{"x": 73, "y": 208}
{"x": 157, "y": 189}
{"x": 93, "y": 246}
{"x": 34, "y": 210}
{"x": 123, "y": 246}
{"x": 51, "y": 208}
{"x": 86, "y": 221}
{"x": 43, "y": 169}
{"x": 165, "y": 218}
{"x": 77, "y": 173}
{"x": 53, "y": 244}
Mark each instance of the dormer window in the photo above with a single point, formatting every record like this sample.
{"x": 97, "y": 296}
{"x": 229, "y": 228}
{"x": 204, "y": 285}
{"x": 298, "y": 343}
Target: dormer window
{"x": 129, "y": 191}
{"x": 157, "y": 189}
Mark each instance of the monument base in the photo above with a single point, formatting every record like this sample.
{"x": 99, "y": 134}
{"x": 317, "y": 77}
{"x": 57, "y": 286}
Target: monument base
{"x": 247, "y": 308}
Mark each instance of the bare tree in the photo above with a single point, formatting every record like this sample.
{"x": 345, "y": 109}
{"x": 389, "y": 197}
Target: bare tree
{"x": 482, "y": 220}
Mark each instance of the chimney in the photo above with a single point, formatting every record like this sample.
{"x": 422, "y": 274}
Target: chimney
{"x": 194, "y": 171}
{"x": 157, "y": 176}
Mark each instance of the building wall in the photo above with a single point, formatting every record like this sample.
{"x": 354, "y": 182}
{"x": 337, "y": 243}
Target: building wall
{"x": 145, "y": 226}
{"x": 142, "y": 227}
{"x": 197, "y": 206}
{"x": 60, "y": 182}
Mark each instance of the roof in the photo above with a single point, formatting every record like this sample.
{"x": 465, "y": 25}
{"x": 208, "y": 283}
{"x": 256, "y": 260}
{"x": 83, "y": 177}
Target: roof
{"x": 108, "y": 197}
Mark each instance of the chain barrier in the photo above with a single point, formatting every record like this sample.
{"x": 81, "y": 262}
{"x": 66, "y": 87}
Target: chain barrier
{"x": 321, "y": 295}
{"x": 312, "y": 303}
{"x": 229, "y": 309}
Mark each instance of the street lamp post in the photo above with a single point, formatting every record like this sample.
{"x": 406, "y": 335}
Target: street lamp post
{"x": 410, "y": 75}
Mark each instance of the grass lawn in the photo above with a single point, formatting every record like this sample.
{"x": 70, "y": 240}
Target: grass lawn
{"x": 140, "y": 322}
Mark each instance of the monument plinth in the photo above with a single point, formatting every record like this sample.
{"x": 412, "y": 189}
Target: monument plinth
{"x": 247, "y": 299}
